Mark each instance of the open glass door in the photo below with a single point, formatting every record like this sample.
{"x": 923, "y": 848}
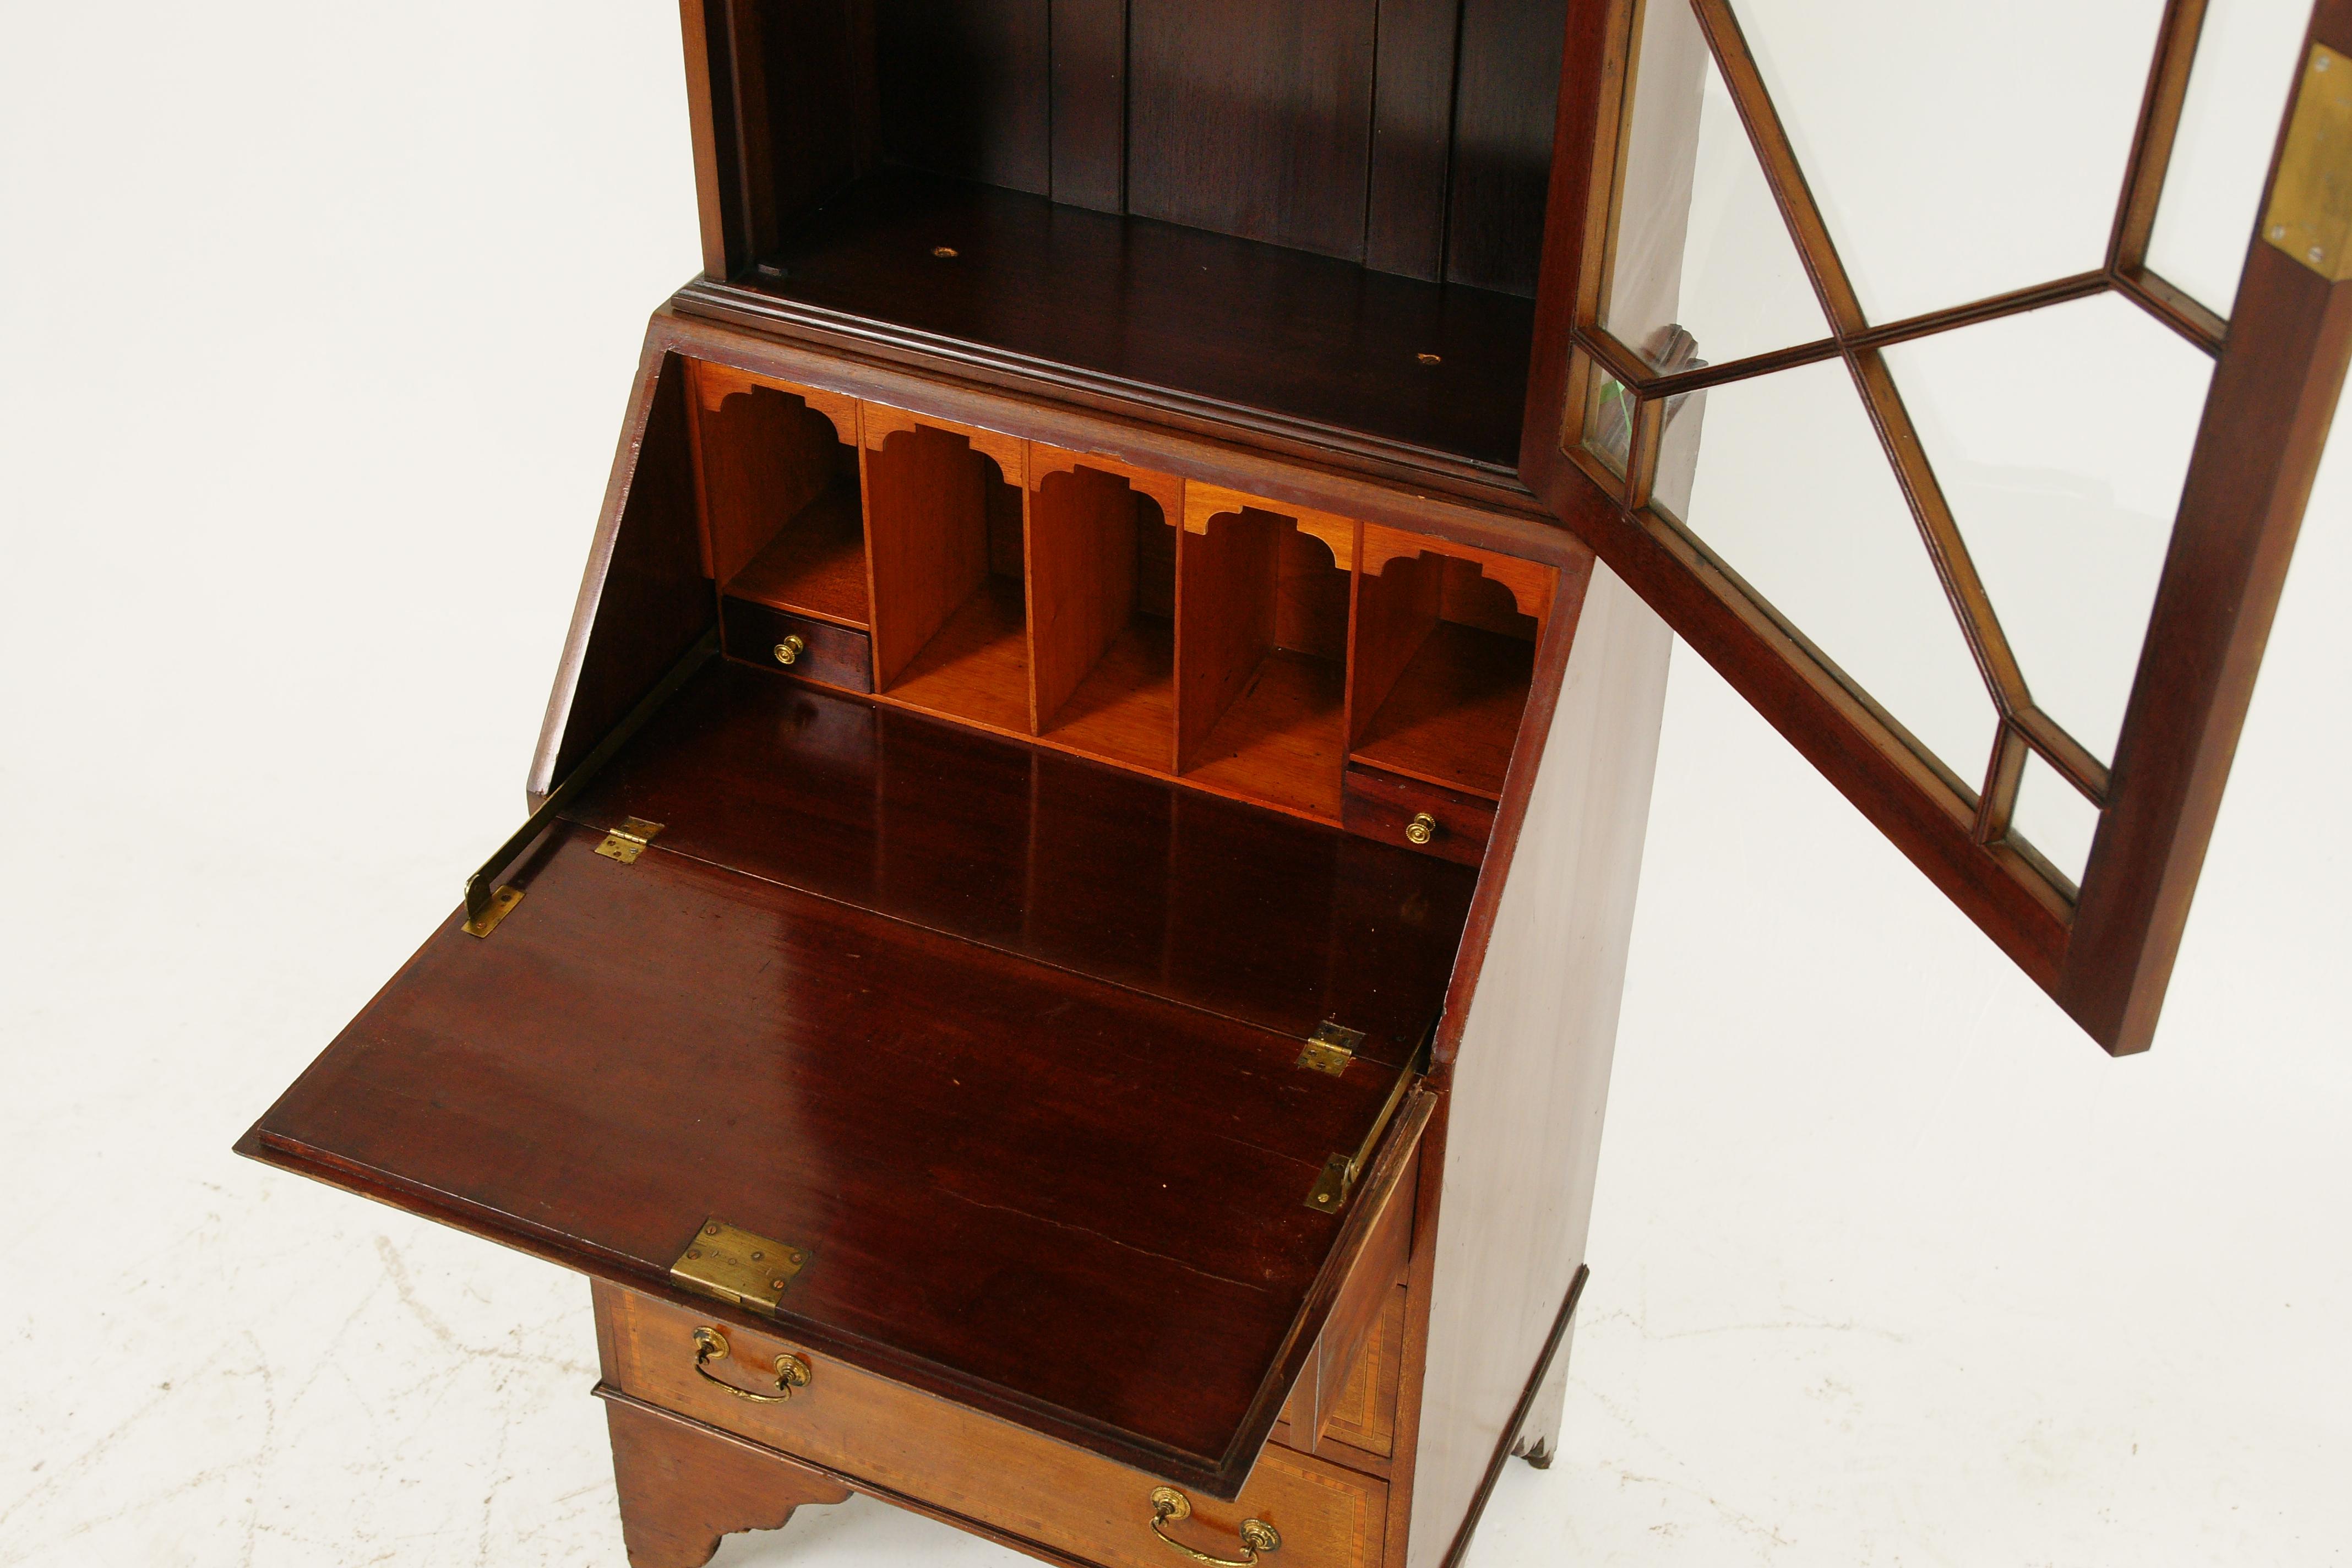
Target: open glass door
{"x": 1935, "y": 378}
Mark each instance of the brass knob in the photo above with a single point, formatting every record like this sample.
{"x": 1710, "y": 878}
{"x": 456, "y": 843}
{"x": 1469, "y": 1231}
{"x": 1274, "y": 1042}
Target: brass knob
{"x": 789, "y": 651}
{"x": 1421, "y": 829}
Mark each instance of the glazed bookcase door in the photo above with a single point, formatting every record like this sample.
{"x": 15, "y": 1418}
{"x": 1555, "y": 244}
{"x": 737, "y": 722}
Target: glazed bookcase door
{"x": 1962, "y": 410}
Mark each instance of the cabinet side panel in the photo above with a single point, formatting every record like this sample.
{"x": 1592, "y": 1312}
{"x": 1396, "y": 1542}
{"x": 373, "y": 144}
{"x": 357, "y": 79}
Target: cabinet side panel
{"x": 1533, "y": 1073}
{"x": 643, "y": 599}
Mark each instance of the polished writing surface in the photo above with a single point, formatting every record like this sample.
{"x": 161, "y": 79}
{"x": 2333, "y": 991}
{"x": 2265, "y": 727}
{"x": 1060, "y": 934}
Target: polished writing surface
{"x": 1013, "y": 1183}
{"x": 1135, "y": 880}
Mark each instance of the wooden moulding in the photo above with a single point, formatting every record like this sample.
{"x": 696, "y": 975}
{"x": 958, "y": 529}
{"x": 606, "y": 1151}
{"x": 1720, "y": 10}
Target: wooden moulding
{"x": 1102, "y": 597}
{"x": 1261, "y": 648}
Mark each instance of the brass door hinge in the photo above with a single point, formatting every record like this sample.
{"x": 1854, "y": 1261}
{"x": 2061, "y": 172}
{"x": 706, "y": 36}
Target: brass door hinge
{"x": 736, "y": 1267}
{"x": 1330, "y": 1047}
{"x": 2310, "y": 216}
{"x": 629, "y": 841}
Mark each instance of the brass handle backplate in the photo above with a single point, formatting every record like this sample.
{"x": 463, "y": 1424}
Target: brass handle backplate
{"x": 710, "y": 1345}
{"x": 1422, "y": 829}
{"x": 1257, "y": 1536}
{"x": 789, "y": 651}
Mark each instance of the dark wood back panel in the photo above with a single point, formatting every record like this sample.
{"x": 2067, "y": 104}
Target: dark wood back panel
{"x": 1252, "y": 118}
{"x": 964, "y": 89}
{"x": 1413, "y": 136}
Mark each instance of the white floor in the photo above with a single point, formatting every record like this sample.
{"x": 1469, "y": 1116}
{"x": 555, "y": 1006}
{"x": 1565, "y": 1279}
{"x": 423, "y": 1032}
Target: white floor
{"x": 1890, "y": 1267}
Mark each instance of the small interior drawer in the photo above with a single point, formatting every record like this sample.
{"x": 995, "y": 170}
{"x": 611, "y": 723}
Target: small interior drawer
{"x": 1386, "y": 807}
{"x": 900, "y": 1441}
{"x": 820, "y": 650}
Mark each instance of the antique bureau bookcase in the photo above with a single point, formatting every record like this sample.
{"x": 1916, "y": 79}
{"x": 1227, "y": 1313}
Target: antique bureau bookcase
{"x": 1063, "y": 960}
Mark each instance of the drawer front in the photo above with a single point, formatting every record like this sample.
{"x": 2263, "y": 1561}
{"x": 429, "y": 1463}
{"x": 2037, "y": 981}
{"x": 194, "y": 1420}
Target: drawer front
{"x": 1382, "y": 806}
{"x": 964, "y": 1463}
{"x": 836, "y": 656}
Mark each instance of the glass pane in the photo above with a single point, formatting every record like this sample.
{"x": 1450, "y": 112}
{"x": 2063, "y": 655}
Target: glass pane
{"x": 2061, "y": 439}
{"x": 1608, "y": 418}
{"x": 1792, "y": 490}
{"x": 1700, "y": 245}
{"x": 1958, "y": 150}
{"x": 2247, "y": 56}
{"x": 2054, "y": 817}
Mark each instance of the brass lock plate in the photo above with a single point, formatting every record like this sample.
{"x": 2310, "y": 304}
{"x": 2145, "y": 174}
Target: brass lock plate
{"x": 734, "y": 1265}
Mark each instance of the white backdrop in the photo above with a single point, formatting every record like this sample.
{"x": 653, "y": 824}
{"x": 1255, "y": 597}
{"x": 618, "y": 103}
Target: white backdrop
{"x": 318, "y": 326}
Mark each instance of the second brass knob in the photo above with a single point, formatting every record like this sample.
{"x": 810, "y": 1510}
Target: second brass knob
{"x": 789, "y": 651}
{"x": 1422, "y": 829}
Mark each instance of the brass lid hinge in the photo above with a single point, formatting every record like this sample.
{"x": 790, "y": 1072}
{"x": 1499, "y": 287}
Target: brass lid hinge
{"x": 1330, "y": 1047}
{"x": 731, "y": 1265}
{"x": 629, "y": 841}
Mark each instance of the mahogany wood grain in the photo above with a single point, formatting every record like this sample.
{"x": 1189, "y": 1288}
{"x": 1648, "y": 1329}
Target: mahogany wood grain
{"x": 1531, "y": 1082}
{"x": 1138, "y": 309}
{"x": 1359, "y": 1424}
{"x": 642, "y": 600}
{"x": 1425, "y": 492}
{"x": 1530, "y": 583}
{"x": 1453, "y": 715}
{"x": 927, "y": 536}
{"x": 1382, "y": 806}
{"x": 815, "y": 563}
{"x": 830, "y": 654}
{"x": 987, "y": 1158}
{"x": 716, "y": 189}
{"x": 963, "y": 88}
{"x": 976, "y": 666}
{"x": 1508, "y": 82}
{"x": 681, "y": 1490}
{"x": 1253, "y": 118}
{"x": 1089, "y": 103}
{"x": 1396, "y": 607}
{"x": 1412, "y": 137}
{"x": 1224, "y": 620}
{"x": 1087, "y": 551}
{"x": 716, "y": 384}
{"x": 878, "y": 1436}
{"x": 1132, "y": 880}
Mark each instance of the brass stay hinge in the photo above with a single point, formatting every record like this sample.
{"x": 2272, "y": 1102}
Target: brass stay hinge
{"x": 1330, "y": 1190}
{"x": 734, "y": 1265}
{"x": 629, "y": 841}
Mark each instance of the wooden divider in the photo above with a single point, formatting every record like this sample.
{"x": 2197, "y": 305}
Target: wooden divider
{"x": 1445, "y": 651}
{"x": 1102, "y": 589}
{"x": 944, "y": 525}
{"x": 1262, "y": 648}
{"x": 777, "y": 468}
{"x": 1255, "y": 648}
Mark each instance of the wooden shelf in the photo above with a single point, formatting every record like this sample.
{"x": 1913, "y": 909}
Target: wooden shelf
{"x": 1453, "y": 715}
{"x": 1283, "y": 739}
{"x": 976, "y": 666}
{"x": 816, "y": 566}
{"x": 1124, "y": 710}
{"x": 1145, "y": 304}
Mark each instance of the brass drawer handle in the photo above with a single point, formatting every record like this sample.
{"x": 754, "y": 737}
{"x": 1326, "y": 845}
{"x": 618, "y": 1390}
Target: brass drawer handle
{"x": 710, "y": 1345}
{"x": 789, "y": 651}
{"x": 1257, "y": 1536}
{"x": 1422, "y": 829}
